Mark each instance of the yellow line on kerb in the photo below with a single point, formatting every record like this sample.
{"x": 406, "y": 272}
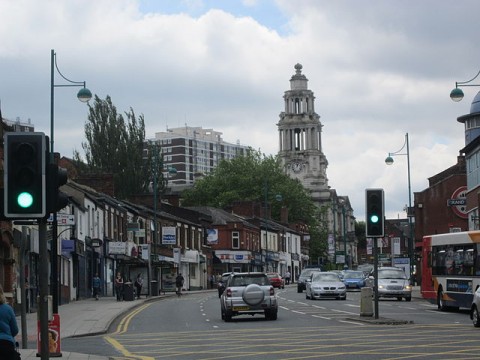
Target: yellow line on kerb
{"x": 121, "y": 329}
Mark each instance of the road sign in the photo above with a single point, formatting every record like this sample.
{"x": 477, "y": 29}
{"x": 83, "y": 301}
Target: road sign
{"x": 63, "y": 219}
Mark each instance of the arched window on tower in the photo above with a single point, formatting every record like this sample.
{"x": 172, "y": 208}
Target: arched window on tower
{"x": 297, "y": 106}
{"x": 297, "y": 140}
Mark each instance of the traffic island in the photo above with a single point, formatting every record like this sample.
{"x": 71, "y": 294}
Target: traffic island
{"x": 379, "y": 321}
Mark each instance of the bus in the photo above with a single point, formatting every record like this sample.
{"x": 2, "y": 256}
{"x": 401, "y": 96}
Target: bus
{"x": 450, "y": 267}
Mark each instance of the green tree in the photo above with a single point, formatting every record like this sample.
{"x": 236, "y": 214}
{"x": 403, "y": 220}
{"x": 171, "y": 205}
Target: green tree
{"x": 252, "y": 177}
{"x": 114, "y": 144}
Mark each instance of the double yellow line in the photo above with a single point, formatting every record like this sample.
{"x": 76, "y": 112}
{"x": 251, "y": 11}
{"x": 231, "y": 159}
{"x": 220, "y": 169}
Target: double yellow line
{"x": 122, "y": 329}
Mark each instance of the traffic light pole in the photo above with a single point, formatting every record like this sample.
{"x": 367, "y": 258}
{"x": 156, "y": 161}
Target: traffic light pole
{"x": 43, "y": 291}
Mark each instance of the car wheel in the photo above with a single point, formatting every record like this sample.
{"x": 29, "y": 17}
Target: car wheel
{"x": 408, "y": 298}
{"x": 399, "y": 298}
{"x": 299, "y": 289}
{"x": 227, "y": 317}
{"x": 271, "y": 315}
{"x": 475, "y": 317}
{"x": 223, "y": 315}
{"x": 440, "y": 303}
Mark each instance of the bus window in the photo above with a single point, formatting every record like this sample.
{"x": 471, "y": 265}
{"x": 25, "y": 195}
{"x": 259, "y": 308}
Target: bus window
{"x": 468, "y": 260}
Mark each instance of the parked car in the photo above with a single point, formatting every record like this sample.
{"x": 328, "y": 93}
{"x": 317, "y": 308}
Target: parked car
{"x": 221, "y": 283}
{"x": 276, "y": 280}
{"x": 392, "y": 283}
{"x": 475, "y": 308}
{"x": 353, "y": 279}
{"x": 326, "y": 285}
{"x": 248, "y": 294}
{"x": 304, "y": 277}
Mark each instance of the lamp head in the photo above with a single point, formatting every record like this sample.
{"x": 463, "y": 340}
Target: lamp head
{"x": 172, "y": 171}
{"x": 456, "y": 94}
{"x": 84, "y": 95}
{"x": 389, "y": 160}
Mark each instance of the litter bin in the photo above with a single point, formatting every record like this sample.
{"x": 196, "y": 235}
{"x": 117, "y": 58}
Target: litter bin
{"x": 154, "y": 285}
{"x": 128, "y": 294}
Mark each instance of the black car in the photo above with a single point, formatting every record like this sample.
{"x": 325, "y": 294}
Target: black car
{"x": 222, "y": 283}
{"x": 305, "y": 276}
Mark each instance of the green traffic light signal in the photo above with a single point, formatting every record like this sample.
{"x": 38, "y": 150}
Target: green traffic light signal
{"x": 25, "y": 200}
{"x": 374, "y": 219}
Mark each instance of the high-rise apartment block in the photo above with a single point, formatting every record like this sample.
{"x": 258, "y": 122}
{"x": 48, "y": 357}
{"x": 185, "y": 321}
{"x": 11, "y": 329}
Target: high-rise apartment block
{"x": 193, "y": 152}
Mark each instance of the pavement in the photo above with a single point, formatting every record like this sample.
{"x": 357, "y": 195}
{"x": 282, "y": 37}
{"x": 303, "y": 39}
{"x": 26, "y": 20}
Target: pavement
{"x": 92, "y": 317}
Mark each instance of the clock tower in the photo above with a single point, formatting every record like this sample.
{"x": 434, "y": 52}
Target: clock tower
{"x": 300, "y": 139}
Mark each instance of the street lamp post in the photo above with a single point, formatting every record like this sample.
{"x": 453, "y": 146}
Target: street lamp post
{"x": 84, "y": 95}
{"x": 158, "y": 179}
{"x": 389, "y": 161}
{"x": 457, "y": 94}
{"x": 344, "y": 236}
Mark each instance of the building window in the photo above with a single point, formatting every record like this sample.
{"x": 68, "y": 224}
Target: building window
{"x": 235, "y": 240}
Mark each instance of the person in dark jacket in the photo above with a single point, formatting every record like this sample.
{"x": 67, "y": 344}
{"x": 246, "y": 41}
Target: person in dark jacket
{"x": 139, "y": 284}
{"x": 179, "y": 283}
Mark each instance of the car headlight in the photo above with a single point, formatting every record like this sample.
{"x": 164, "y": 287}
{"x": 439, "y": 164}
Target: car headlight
{"x": 381, "y": 286}
{"x": 341, "y": 288}
{"x": 408, "y": 287}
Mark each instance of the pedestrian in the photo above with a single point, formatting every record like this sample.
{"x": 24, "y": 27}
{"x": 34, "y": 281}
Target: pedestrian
{"x": 119, "y": 286}
{"x": 212, "y": 281}
{"x": 287, "y": 278}
{"x": 96, "y": 286}
{"x": 179, "y": 283}
{"x": 139, "y": 284}
{"x": 8, "y": 330}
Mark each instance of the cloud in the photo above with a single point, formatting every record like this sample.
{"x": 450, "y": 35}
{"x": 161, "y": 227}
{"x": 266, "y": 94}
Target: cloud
{"x": 378, "y": 71}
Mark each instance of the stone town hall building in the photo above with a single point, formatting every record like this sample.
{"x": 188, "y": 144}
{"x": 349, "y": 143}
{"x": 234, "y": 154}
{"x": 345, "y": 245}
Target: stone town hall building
{"x": 301, "y": 153}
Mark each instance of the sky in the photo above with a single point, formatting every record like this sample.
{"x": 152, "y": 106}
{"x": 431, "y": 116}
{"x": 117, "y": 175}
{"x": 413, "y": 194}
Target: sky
{"x": 379, "y": 69}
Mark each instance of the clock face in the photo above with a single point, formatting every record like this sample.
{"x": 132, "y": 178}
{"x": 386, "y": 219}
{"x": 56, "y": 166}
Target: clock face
{"x": 297, "y": 166}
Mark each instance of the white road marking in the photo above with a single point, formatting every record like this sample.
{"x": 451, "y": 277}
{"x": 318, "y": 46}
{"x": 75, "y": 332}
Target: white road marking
{"x": 351, "y": 322}
{"x": 322, "y": 317}
{"x": 298, "y": 312}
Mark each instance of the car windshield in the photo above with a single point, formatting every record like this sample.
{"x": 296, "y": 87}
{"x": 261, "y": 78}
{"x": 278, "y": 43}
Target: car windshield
{"x": 328, "y": 277}
{"x": 247, "y": 280}
{"x": 391, "y": 274}
{"x": 354, "y": 275}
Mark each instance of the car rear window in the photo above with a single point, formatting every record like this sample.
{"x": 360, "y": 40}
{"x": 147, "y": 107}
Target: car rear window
{"x": 244, "y": 280}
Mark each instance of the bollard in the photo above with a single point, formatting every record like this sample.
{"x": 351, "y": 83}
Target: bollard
{"x": 366, "y": 301}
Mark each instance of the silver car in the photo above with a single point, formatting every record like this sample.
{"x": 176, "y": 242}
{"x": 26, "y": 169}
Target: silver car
{"x": 475, "y": 309}
{"x": 392, "y": 283}
{"x": 248, "y": 294}
{"x": 325, "y": 285}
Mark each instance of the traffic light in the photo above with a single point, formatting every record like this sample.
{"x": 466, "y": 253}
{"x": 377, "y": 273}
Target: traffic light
{"x": 374, "y": 212}
{"x": 56, "y": 177}
{"x": 24, "y": 175}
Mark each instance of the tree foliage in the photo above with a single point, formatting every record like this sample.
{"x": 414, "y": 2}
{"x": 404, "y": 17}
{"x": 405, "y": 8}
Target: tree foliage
{"x": 114, "y": 144}
{"x": 252, "y": 177}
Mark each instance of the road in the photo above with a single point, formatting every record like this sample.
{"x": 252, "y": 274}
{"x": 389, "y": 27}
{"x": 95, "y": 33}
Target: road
{"x": 190, "y": 327}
